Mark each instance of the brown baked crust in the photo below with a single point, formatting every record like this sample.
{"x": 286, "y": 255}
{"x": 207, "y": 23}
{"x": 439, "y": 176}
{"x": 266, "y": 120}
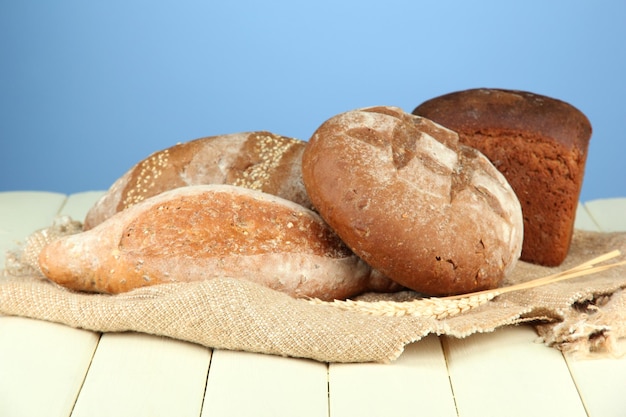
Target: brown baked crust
{"x": 540, "y": 145}
{"x": 257, "y": 160}
{"x": 431, "y": 214}
{"x": 201, "y": 232}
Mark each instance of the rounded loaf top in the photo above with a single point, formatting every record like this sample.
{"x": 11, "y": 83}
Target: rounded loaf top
{"x": 428, "y": 212}
{"x": 203, "y": 232}
{"x": 260, "y": 160}
{"x": 510, "y": 110}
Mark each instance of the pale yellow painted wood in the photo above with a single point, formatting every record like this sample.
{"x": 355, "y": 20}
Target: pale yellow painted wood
{"x": 244, "y": 384}
{"x": 602, "y": 381}
{"x": 505, "y": 373}
{"x": 23, "y": 212}
{"x": 609, "y": 214}
{"x": 77, "y": 205}
{"x": 584, "y": 221}
{"x": 416, "y": 384}
{"x": 42, "y": 366}
{"x": 139, "y": 375}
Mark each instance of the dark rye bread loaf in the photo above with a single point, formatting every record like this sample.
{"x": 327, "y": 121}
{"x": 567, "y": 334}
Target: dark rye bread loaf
{"x": 257, "y": 160}
{"x": 206, "y": 231}
{"x": 426, "y": 211}
{"x": 539, "y": 144}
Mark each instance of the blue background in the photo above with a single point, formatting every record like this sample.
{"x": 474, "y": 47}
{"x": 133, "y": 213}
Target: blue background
{"x": 87, "y": 89}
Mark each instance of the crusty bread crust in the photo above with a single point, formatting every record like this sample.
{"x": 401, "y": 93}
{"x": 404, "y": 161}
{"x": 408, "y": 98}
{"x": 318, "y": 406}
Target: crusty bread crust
{"x": 257, "y": 160}
{"x": 206, "y": 231}
{"x": 539, "y": 144}
{"x": 431, "y": 214}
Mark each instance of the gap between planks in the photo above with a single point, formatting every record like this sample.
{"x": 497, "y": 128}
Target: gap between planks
{"x": 600, "y": 380}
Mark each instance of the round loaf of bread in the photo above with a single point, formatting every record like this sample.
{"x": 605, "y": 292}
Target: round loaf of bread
{"x": 429, "y": 213}
{"x": 257, "y": 160}
{"x": 540, "y": 145}
{"x": 206, "y": 231}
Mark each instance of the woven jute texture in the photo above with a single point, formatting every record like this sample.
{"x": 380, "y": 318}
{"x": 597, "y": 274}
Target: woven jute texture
{"x": 585, "y": 314}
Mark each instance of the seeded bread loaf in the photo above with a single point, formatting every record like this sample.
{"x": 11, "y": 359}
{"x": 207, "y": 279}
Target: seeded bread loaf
{"x": 202, "y": 232}
{"x": 258, "y": 160}
{"x": 404, "y": 195}
{"x": 538, "y": 143}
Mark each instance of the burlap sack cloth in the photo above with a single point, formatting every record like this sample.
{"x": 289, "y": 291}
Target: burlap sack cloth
{"x": 585, "y": 314}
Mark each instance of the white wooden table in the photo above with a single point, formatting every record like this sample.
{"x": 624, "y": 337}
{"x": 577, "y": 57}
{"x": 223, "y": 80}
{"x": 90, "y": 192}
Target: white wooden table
{"x": 51, "y": 370}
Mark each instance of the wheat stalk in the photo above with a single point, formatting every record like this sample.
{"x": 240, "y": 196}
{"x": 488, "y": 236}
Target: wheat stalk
{"x": 443, "y": 307}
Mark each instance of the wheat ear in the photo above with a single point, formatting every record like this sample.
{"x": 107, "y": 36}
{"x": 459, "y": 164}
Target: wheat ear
{"x": 443, "y": 307}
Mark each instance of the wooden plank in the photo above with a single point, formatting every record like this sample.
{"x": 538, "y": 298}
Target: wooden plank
{"x": 251, "y": 384}
{"x": 506, "y": 374}
{"x": 42, "y": 364}
{"x": 77, "y": 205}
{"x": 601, "y": 381}
{"x": 139, "y": 375}
{"x": 417, "y": 383}
{"x": 584, "y": 221}
{"x": 609, "y": 214}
